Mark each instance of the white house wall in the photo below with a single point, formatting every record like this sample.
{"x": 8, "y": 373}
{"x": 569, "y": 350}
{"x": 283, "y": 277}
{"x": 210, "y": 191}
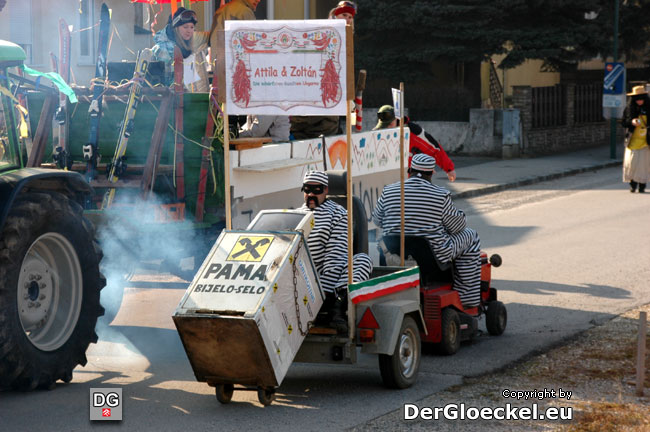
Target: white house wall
{"x": 45, "y": 33}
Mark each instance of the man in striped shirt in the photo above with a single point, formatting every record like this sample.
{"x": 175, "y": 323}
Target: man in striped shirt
{"x": 429, "y": 212}
{"x": 328, "y": 246}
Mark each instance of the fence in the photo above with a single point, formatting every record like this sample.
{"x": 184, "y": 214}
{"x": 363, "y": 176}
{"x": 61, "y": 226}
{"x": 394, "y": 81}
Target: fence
{"x": 563, "y": 117}
{"x": 588, "y": 105}
{"x": 549, "y": 106}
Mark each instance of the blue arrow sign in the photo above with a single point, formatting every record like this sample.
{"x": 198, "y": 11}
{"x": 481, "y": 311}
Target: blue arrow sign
{"x": 614, "y": 82}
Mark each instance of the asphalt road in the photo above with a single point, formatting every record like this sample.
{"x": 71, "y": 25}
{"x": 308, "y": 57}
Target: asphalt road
{"x": 575, "y": 252}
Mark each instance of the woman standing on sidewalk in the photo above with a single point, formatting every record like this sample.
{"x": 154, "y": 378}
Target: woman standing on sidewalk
{"x": 636, "y": 163}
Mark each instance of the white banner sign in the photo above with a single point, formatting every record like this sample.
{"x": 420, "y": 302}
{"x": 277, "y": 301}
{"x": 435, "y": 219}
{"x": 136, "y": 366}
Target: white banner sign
{"x": 397, "y": 102}
{"x": 286, "y": 67}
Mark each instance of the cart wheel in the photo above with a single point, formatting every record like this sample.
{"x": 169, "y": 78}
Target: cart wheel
{"x": 266, "y": 395}
{"x": 496, "y": 318}
{"x": 224, "y": 392}
{"x": 400, "y": 370}
{"x": 450, "y": 329}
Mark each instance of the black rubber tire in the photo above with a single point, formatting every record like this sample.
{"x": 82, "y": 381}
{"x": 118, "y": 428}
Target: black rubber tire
{"x": 224, "y": 392}
{"x": 23, "y": 365}
{"x": 450, "y": 331}
{"x": 496, "y": 318}
{"x": 396, "y": 370}
{"x": 266, "y": 395}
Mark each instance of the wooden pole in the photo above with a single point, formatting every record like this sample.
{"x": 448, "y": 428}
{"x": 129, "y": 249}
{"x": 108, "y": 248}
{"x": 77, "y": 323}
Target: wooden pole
{"x": 349, "y": 98}
{"x": 348, "y": 133}
{"x": 226, "y": 164}
{"x": 641, "y": 353}
{"x": 401, "y": 176}
{"x": 42, "y": 131}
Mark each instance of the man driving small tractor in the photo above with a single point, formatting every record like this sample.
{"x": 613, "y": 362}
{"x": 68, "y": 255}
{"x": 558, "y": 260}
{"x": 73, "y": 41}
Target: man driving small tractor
{"x": 429, "y": 212}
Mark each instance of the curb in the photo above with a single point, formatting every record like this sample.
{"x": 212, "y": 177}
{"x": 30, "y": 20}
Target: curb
{"x": 532, "y": 180}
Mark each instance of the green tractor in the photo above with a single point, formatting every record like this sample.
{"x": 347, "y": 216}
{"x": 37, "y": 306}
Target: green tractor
{"x": 50, "y": 279}
{"x": 47, "y": 214}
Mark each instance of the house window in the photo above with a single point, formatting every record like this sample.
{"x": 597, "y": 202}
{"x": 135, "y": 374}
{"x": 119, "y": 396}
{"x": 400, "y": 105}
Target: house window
{"x": 86, "y": 31}
{"x": 20, "y": 26}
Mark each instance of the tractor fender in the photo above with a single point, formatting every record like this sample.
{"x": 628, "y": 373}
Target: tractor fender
{"x": 389, "y": 316}
{"x": 12, "y": 184}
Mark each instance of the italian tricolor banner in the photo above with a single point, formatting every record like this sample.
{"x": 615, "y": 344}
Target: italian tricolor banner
{"x": 384, "y": 285}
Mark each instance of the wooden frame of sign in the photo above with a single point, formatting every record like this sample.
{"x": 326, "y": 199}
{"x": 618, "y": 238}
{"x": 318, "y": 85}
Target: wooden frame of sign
{"x": 349, "y": 96}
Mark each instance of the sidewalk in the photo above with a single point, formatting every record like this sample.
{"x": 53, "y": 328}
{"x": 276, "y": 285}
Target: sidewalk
{"x": 480, "y": 176}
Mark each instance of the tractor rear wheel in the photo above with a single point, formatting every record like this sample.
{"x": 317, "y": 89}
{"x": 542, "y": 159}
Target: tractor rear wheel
{"x": 49, "y": 290}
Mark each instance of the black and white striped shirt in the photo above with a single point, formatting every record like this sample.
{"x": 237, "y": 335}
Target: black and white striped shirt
{"x": 328, "y": 244}
{"x": 428, "y": 212}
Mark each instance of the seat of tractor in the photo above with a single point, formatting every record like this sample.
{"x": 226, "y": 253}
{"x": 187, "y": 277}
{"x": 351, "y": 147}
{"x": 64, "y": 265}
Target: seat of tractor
{"x": 418, "y": 248}
{"x": 337, "y": 192}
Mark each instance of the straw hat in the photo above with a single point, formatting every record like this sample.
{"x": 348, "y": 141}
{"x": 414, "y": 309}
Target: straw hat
{"x": 638, "y": 90}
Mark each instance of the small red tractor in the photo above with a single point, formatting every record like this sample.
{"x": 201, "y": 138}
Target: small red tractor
{"x": 448, "y": 322}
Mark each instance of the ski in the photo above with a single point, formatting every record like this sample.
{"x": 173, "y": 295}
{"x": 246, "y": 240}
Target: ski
{"x": 178, "y": 118}
{"x": 62, "y": 155}
{"x": 91, "y": 150}
{"x": 117, "y": 167}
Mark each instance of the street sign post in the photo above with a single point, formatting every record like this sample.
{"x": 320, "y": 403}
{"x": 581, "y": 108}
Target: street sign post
{"x": 614, "y": 90}
{"x": 613, "y": 98}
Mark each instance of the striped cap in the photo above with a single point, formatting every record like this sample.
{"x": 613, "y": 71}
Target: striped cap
{"x": 423, "y": 162}
{"x": 319, "y": 177}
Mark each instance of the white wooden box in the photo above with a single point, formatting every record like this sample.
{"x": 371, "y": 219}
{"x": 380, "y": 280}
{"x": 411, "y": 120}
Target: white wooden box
{"x": 238, "y": 319}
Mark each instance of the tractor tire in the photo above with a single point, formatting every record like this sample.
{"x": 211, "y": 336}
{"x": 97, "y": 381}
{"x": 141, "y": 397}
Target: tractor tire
{"x": 400, "y": 370}
{"x": 49, "y": 291}
{"x": 496, "y": 318}
{"x": 450, "y": 329}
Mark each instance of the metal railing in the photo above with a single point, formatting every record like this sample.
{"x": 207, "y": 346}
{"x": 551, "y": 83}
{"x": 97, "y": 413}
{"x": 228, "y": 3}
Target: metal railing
{"x": 588, "y": 103}
{"x": 549, "y": 106}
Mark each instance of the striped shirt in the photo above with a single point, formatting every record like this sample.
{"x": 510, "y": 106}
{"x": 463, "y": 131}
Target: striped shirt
{"x": 428, "y": 212}
{"x": 328, "y": 244}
